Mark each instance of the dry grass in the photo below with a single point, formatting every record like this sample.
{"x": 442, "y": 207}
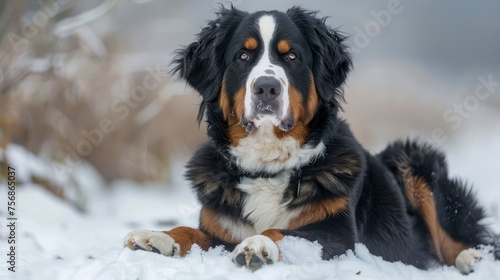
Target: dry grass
{"x": 62, "y": 86}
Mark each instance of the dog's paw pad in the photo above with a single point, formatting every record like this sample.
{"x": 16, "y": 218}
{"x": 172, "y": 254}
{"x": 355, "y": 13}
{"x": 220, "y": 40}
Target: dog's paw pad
{"x": 153, "y": 241}
{"x": 466, "y": 260}
{"x": 256, "y": 251}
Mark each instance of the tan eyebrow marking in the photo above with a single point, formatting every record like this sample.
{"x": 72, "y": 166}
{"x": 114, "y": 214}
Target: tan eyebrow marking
{"x": 250, "y": 43}
{"x": 284, "y": 46}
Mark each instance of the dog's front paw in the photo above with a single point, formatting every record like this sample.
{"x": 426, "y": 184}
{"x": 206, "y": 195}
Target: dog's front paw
{"x": 153, "y": 241}
{"x": 255, "y": 251}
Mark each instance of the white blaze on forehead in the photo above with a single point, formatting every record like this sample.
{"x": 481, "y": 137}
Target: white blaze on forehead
{"x": 267, "y": 28}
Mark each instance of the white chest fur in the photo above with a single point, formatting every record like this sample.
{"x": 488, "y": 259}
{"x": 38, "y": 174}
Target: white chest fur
{"x": 263, "y": 151}
{"x": 264, "y": 205}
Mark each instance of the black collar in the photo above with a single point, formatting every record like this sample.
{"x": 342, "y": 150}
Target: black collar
{"x": 295, "y": 178}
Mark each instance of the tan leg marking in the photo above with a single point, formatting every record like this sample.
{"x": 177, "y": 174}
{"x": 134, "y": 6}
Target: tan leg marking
{"x": 319, "y": 212}
{"x": 186, "y": 237}
{"x": 422, "y": 199}
{"x": 211, "y": 224}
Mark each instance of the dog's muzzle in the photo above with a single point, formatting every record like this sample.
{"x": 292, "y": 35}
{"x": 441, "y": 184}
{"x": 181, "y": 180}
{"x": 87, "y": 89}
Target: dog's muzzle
{"x": 267, "y": 104}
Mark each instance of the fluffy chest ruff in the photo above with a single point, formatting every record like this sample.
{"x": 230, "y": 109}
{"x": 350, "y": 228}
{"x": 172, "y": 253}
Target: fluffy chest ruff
{"x": 262, "y": 151}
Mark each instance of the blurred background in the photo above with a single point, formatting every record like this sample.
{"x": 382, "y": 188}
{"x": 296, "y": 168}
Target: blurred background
{"x": 85, "y": 90}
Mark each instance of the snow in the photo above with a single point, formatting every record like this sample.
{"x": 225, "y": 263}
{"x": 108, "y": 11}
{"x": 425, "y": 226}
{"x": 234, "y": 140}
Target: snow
{"x": 57, "y": 241}
{"x": 31, "y": 165}
{"x": 77, "y": 181}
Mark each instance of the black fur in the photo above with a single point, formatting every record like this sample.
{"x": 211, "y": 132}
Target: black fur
{"x": 379, "y": 214}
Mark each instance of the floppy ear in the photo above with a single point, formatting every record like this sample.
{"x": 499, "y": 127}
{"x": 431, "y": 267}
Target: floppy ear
{"x": 201, "y": 63}
{"x": 331, "y": 60}
{"x": 194, "y": 62}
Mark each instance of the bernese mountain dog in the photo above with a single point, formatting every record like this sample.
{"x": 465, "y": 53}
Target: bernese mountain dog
{"x": 281, "y": 162}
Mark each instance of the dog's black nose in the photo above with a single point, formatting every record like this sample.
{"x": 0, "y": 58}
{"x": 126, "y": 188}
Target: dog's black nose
{"x": 267, "y": 88}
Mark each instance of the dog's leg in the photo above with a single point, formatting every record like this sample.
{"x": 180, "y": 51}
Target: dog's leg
{"x": 176, "y": 242}
{"x": 446, "y": 205}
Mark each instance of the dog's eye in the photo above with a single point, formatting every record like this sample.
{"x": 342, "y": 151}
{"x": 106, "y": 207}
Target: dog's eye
{"x": 290, "y": 56}
{"x": 244, "y": 56}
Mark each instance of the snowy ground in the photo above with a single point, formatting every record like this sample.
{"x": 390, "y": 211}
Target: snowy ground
{"x": 55, "y": 241}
